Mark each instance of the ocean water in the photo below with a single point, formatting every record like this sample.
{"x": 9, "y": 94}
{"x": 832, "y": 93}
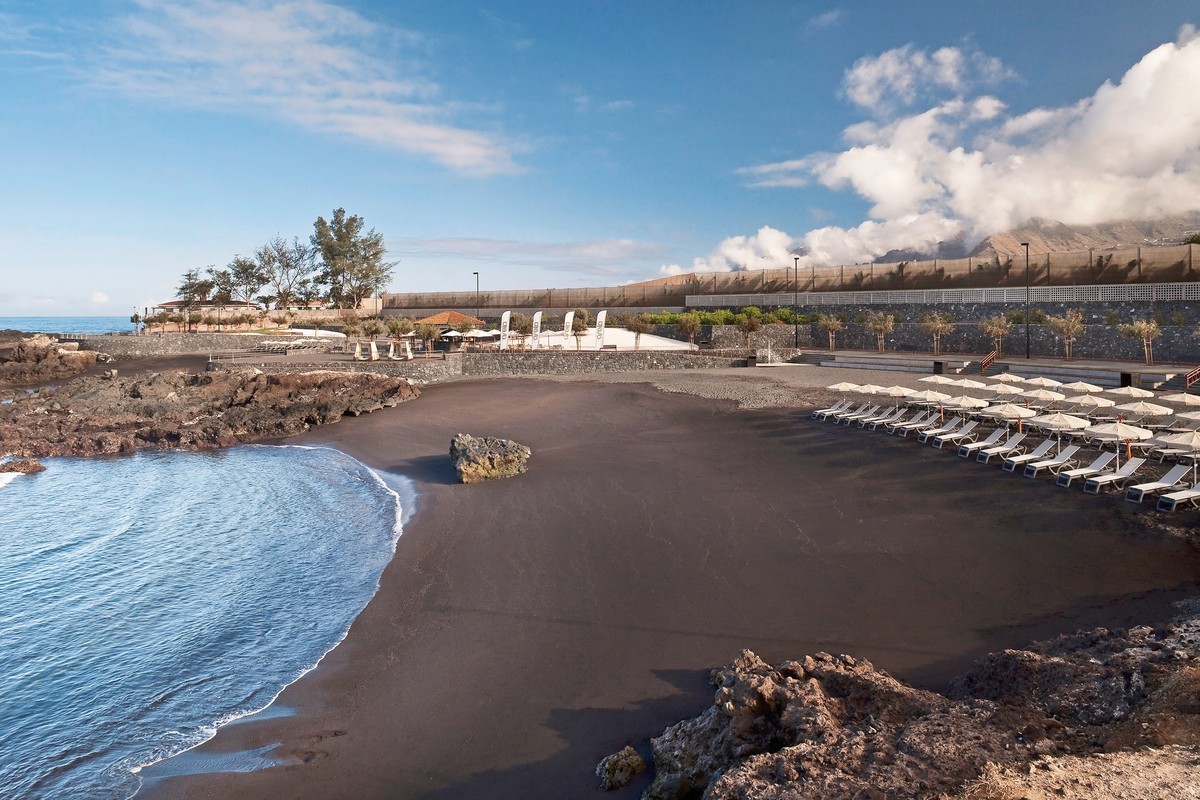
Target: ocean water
{"x": 148, "y": 600}
{"x": 92, "y": 325}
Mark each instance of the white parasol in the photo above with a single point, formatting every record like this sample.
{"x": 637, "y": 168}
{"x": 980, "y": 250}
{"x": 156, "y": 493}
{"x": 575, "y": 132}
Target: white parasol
{"x": 1130, "y": 391}
{"x": 844, "y": 386}
{"x": 1008, "y": 411}
{"x": 929, "y": 396}
{"x": 452, "y": 334}
{"x": 1060, "y": 421}
{"x": 1182, "y": 398}
{"x": 895, "y": 391}
{"x": 1142, "y": 408}
{"x": 967, "y": 383}
{"x": 942, "y": 379}
{"x": 1006, "y": 377}
{"x": 870, "y": 388}
{"x": 1194, "y": 416}
{"x": 1005, "y": 388}
{"x": 1045, "y": 383}
{"x": 1091, "y": 400}
{"x": 965, "y": 402}
{"x": 1120, "y": 432}
{"x": 1081, "y": 386}
{"x": 1043, "y": 394}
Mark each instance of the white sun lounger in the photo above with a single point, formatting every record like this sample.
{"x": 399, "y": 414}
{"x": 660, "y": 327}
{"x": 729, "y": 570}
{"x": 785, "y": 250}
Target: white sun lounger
{"x": 840, "y": 405}
{"x": 838, "y": 419}
{"x": 916, "y": 422}
{"x": 1116, "y": 477}
{"x": 965, "y": 450}
{"x": 1174, "y": 477}
{"x": 870, "y": 412}
{"x": 934, "y": 424}
{"x": 837, "y": 415}
{"x": 963, "y": 434}
{"x": 1011, "y": 445}
{"x": 1095, "y": 468}
{"x": 949, "y": 427}
{"x": 1065, "y": 458}
{"x": 1012, "y": 462}
{"x": 893, "y": 415}
{"x": 1172, "y": 500}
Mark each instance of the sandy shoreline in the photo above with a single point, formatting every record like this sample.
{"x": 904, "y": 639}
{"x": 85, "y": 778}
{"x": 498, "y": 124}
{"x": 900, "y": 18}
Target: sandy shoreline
{"x": 527, "y": 628}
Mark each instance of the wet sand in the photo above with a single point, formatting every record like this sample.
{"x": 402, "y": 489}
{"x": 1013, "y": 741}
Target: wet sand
{"x": 527, "y": 628}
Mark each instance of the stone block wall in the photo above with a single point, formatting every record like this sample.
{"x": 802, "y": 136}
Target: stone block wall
{"x": 170, "y": 344}
{"x": 572, "y": 362}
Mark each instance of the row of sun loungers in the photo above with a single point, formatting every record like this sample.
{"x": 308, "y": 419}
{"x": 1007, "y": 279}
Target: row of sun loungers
{"x": 1066, "y": 465}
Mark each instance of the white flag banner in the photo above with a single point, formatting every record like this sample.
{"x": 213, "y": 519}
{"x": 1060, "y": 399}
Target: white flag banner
{"x": 504, "y": 318}
{"x": 600, "y": 328}
{"x": 568, "y": 322}
{"x": 537, "y": 330}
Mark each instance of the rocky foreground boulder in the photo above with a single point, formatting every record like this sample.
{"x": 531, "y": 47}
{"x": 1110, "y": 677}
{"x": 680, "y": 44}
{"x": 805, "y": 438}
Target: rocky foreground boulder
{"x": 39, "y": 358}
{"x": 25, "y": 466}
{"x": 178, "y": 410}
{"x": 837, "y": 728}
{"x": 483, "y": 458}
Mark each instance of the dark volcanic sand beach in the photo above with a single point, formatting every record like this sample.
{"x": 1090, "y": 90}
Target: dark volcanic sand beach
{"x": 527, "y": 628}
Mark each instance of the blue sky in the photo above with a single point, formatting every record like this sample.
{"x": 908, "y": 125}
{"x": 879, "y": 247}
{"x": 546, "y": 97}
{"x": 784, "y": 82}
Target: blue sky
{"x": 570, "y": 144}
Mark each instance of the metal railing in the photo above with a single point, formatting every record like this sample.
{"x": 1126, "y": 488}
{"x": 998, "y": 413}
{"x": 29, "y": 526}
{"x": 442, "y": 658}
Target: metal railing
{"x": 1192, "y": 377}
{"x": 1130, "y": 292}
{"x": 988, "y": 360}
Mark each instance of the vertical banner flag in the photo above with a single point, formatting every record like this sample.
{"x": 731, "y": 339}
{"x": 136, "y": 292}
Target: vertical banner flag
{"x": 600, "y": 328}
{"x": 568, "y": 322}
{"x": 537, "y": 330}
{"x": 504, "y": 329}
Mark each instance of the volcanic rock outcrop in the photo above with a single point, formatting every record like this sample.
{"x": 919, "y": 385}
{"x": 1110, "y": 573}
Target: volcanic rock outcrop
{"x": 485, "y": 458}
{"x": 39, "y": 358}
{"x": 836, "y": 728}
{"x": 93, "y": 416}
{"x": 25, "y": 466}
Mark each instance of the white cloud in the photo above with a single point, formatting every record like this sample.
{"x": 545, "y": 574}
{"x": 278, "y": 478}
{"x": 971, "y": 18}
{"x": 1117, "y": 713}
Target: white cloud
{"x": 903, "y": 75}
{"x": 309, "y": 63}
{"x": 767, "y": 248}
{"x": 963, "y": 166}
{"x": 827, "y": 19}
{"x": 98, "y": 298}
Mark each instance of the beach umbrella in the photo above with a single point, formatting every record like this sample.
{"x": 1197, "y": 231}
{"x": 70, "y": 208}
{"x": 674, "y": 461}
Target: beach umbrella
{"x": 942, "y": 379}
{"x": 1121, "y": 432}
{"x": 451, "y": 334}
{"x": 1092, "y": 401}
{"x": 844, "y": 386}
{"x": 1005, "y": 388}
{"x": 1182, "y": 398}
{"x": 1189, "y": 415}
{"x": 1130, "y": 391}
{"x": 928, "y": 396}
{"x": 1142, "y": 408}
{"x": 1060, "y": 421}
{"x": 965, "y": 402}
{"x": 1081, "y": 386}
{"x": 1008, "y": 411}
{"x": 1045, "y": 383}
{"x": 1043, "y": 394}
{"x": 1006, "y": 377}
{"x": 870, "y": 388}
{"x": 967, "y": 383}
{"x": 1185, "y": 439}
{"x": 896, "y": 391}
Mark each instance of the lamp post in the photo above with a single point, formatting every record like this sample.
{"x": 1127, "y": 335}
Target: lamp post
{"x": 796, "y": 299}
{"x": 1026, "y": 246}
{"x": 476, "y": 274}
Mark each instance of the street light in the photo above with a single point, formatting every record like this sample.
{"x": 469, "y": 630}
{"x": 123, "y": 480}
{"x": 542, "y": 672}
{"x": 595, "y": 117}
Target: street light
{"x": 1026, "y": 246}
{"x": 796, "y": 299}
{"x": 476, "y": 274}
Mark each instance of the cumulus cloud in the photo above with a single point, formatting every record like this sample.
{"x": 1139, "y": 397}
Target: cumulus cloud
{"x": 98, "y": 298}
{"x": 900, "y": 76}
{"x": 964, "y": 166}
{"x": 310, "y": 63}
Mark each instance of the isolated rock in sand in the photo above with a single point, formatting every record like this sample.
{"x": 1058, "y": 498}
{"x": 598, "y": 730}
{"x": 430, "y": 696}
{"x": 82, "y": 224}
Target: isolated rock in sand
{"x": 617, "y": 770}
{"x": 483, "y": 458}
{"x": 40, "y": 358}
{"x": 26, "y": 466}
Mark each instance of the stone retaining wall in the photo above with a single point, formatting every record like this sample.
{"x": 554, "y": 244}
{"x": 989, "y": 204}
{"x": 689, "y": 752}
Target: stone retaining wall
{"x": 170, "y": 344}
{"x": 573, "y": 362}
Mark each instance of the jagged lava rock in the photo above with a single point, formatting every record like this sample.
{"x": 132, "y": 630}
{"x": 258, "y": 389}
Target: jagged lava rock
{"x": 617, "y": 770}
{"x": 26, "y": 466}
{"x": 39, "y": 358}
{"x": 482, "y": 458}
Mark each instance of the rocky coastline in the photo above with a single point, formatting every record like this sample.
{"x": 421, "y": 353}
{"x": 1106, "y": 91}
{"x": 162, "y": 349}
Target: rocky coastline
{"x": 838, "y": 728}
{"x": 30, "y": 360}
{"x": 94, "y": 416}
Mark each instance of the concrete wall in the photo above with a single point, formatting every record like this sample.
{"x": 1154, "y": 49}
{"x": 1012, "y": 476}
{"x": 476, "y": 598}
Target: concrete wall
{"x": 170, "y": 344}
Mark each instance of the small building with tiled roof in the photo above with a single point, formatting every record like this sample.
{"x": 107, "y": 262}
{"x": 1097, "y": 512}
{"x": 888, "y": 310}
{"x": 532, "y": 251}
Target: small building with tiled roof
{"x": 451, "y": 318}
